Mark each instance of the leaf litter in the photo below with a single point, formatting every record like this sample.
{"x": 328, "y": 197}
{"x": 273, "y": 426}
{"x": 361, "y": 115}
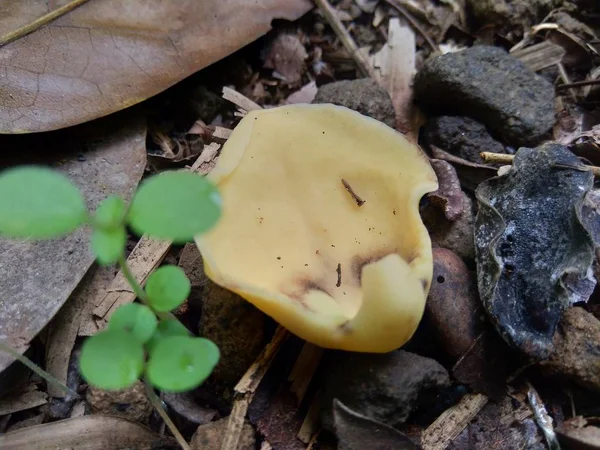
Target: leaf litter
{"x": 277, "y": 402}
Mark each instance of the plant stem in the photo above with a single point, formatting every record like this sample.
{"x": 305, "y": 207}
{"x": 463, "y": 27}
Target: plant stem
{"x": 138, "y": 290}
{"x": 156, "y": 402}
{"x": 35, "y": 368}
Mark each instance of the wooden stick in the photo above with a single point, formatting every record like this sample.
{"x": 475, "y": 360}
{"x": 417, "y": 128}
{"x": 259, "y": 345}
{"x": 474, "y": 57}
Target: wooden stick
{"x": 40, "y": 22}
{"x": 244, "y": 390}
{"x": 338, "y": 27}
{"x": 508, "y": 159}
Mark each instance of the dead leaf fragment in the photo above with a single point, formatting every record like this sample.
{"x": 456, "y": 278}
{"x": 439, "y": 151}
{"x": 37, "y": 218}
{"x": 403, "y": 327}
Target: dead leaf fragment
{"x": 37, "y": 277}
{"x": 94, "y": 432}
{"x": 580, "y": 433}
{"x": 286, "y": 55}
{"x": 108, "y": 55}
{"x": 29, "y": 398}
{"x": 449, "y": 194}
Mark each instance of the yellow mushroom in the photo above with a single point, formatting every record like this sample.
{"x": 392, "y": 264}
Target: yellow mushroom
{"x": 320, "y": 226}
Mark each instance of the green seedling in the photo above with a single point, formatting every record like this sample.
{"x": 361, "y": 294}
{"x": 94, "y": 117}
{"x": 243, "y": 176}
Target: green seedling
{"x": 141, "y": 339}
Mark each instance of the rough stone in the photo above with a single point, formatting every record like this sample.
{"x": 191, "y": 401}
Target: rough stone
{"x": 363, "y": 95}
{"x": 508, "y": 13}
{"x": 130, "y": 403}
{"x": 576, "y": 353}
{"x": 210, "y": 436}
{"x": 492, "y": 87}
{"x": 460, "y": 136}
{"x": 386, "y": 387}
{"x": 236, "y": 327}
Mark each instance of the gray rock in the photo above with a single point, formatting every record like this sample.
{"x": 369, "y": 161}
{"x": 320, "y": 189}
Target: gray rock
{"x": 385, "y": 387}
{"x": 363, "y": 95}
{"x": 460, "y": 136}
{"x": 492, "y": 87}
{"x": 510, "y": 13}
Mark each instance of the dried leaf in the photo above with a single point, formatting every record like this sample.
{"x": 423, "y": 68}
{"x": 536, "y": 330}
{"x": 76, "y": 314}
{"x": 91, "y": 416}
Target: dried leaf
{"x": 94, "y": 432}
{"x": 31, "y": 397}
{"x": 581, "y": 433}
{"x": 186, "y": 405}
{"x": 37, "y": 277}
{"x": 357, "y": 432}
{"x": 105, "y": 56}
{"x": 449, "y": 194}
{"x": 286, "y": 55}
{"x": 528, "y": 238}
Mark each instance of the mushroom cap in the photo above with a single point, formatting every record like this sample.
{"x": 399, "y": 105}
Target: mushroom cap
{"x": 294, "y": 241}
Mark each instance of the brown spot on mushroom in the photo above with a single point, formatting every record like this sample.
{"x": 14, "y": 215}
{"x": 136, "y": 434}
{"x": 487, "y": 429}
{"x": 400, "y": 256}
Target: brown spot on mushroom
{"x": 339, "y": 275}
{"x": 359, "y": 261}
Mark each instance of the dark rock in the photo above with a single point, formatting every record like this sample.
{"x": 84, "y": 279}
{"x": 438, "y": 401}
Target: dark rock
{"x": 460, "y": 136}
{"x": 130, "y": 403}
{"x": 357, "y": 432}
{"x": 385, "y": 387}
{"x": 236, "y": 327}
{"x": 210, "y": 436}
{"x": 576, "y": 353}
{"x": 456, "y": 235}
{"x": 509, "y": 14}
{"x": 487, "y": 84}
{"x": 528, "y": 238}
{"x": 363, "y": 95}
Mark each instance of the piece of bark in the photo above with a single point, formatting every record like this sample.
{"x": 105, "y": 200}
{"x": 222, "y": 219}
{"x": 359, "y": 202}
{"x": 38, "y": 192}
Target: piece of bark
{"x": 28, "y": 398}
{"x": 449, "y": 196}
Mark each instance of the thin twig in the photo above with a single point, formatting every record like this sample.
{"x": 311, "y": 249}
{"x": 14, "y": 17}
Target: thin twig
{"x": 508, "y": 159}
{"x": 239, "y": 100}
{"x": 359, "y": 201}
{"x": 413, "y": 22}
{"x": 338, "y": 27}
{"x": 576, "y": 84}
{"x": 35, "y": 368}
{"x": 565, "y": 78}
{"x": 40, "y": 22}
{"x": 157, "y": 404}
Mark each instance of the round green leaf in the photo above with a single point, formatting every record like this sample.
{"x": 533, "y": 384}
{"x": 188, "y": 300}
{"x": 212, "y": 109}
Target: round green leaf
{"x": 167, "y": 288}
{"x": 111, "y": 360}
{"x": 39, "y": 202}
{"x": 181, "y": 363}
{"x": 166, "y": 328}
{"x": 174, "y": 205}
{"x": 110, "y": 213}
{"x": 108, "y": 246}
{"x": 139, "y": 320}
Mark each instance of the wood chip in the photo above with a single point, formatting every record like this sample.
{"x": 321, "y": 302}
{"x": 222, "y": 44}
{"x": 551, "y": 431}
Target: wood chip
{"x": 312, "y": 421}
{"x": 29, "y": 398}
{"x": 304, "y": 369}
{"x": 540, "y": 56}
{"x": 207, "y": 159}
{"x": 239, "y": 100}
{"x": 394, "y": 68}
{"x": 452, "y": 421}
{"x": 246, "y": 387}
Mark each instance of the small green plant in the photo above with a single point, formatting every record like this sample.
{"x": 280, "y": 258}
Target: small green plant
{"x": 140, "y": 338}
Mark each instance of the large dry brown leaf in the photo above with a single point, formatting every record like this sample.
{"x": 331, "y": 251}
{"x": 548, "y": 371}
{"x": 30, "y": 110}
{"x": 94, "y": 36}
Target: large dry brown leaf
{"x": 95, "y": 432}
{"x": 36, "y": 277}
{"x": 110, "y": 54}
